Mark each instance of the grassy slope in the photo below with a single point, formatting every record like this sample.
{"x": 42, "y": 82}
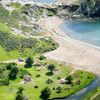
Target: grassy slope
{"x": 3, "y": 54}
{"x": 41, "y": 46}
{"x": 4, "y": 28}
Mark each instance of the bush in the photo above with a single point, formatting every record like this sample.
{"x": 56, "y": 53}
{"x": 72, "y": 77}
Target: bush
{"x": 58, "y": 89}
{"x": 51, "y": 68}
{"x": 38, "y": 75}
{"x": 11, "y": 43}
{"x": 4, "y": 81}
{"x": 69, "y": 79}
{"x": 10, "y": 65}
{"x": 14, "y": 4}
{"x": 13, "y": 72}
{"x": 29, "y": 62}
{"x": 49, "y": 81}
{"x": 45, "y": 93}
{"x": 58, "y": 78}
{"x": 36, "y": 86}
{"x": 23, "y": 72}
{"x": 42, "y": 57}
{"x": 53, "y": 88}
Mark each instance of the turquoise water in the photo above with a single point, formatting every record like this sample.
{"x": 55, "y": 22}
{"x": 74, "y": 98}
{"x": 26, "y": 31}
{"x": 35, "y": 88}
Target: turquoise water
{"x": 88, "y": 32}
{"x": 45, "y": 1}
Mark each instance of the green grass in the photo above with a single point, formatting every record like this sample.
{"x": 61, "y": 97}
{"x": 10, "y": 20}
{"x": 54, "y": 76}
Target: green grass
{"x": 15, "y": 54}
{"x": 90, "y": 95}
{"x": 97, "y": 97}
{"x": 4, "y": 28}
{"x": 33, "y": 93}
{"x": 14, "y": 4}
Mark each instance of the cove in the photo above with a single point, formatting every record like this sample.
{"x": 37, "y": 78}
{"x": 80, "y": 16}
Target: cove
{"x": 44, "y": 1}
{"x": 85, "y": 31}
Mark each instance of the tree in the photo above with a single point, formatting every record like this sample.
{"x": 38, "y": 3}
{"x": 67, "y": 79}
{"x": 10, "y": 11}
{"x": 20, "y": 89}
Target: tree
{"x": 51, "y": 67}
{"x": 13, "y": 72}
{"x": 10, "y": 65}
{"x": 45, "y": 93}
{"x": 69, "y": 79}
{"x": 20, "y": 95}
{"x": 29, "y": 62}
{"x": 42, "y": 57}
{"x": 58, "y": 89}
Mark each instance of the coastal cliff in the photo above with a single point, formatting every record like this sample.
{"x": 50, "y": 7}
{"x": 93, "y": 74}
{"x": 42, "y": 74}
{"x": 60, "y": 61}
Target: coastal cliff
{"x": 90, "y": 8}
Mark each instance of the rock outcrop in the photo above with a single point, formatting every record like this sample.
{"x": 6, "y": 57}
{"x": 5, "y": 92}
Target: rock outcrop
{"x": 90, "y": 8}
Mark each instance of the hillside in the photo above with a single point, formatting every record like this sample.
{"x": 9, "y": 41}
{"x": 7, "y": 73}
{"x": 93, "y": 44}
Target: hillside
{"x": 90, "y": 8}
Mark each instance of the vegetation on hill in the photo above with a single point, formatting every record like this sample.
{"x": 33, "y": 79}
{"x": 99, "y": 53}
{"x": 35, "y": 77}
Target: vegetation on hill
{"x": 90, "y": 8}
{"x": 12, "y": 47}
{"x": 14, "y": 4}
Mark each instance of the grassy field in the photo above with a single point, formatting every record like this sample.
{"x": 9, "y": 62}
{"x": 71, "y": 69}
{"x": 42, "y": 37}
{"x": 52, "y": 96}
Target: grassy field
{"x": 34, "y": 93}
{"x": 91, "y": 95}
{"x": 4, "y": 28}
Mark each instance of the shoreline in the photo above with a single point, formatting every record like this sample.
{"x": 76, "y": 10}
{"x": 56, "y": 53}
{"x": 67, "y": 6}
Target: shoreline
{"x": 82, "y": 55}
{"x": 67, "y": 35}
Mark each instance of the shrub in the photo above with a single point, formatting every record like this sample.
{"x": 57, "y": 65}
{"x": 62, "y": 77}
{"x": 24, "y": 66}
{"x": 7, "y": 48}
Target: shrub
{"x": 10, "y": 65}
{"x": 13, "y": 72}
{"x": 49, "y": 81}
{"x": 29, "y": 61}
{"x": 51, "y": 67}
{"x": 4, "y": 81}
{"x": 58, "y": 89}
{"x": 23, "y": 72}
{"x": 38, "y": 75}
{"x": 42, "y": 57}
{"x": 36, "y": 86}
{"x": 45, "y": 93}
{"x": 14, "y": 4}
{"x": 53, "y": 88}
{"x": 69, "y": 79}
{"x": 58, "y": 78}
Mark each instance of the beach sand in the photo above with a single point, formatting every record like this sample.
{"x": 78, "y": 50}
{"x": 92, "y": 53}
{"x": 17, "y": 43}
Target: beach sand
{"x": 71, "y": 51}
{"x": 68, "y": 1}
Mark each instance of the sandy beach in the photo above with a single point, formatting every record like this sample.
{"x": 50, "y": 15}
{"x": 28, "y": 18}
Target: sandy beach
{"x": 67, "y": 1}
{"x": 81, "y": 55}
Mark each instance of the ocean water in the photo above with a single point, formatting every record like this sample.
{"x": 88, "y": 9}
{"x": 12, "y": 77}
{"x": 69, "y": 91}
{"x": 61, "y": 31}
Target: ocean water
{"x": 88, "y": 32}
{"x": 45, "y": 1}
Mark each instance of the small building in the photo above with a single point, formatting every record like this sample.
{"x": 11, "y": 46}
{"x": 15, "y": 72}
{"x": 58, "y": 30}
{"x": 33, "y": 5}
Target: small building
{"x": 21, "y": 60}
{"x": 62, "y": 81}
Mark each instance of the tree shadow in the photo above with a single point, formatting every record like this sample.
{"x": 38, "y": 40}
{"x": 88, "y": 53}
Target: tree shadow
{"x": 49, "y": 73}
{"x": 12, "y": 78}
{"x": 27, "y": 66}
